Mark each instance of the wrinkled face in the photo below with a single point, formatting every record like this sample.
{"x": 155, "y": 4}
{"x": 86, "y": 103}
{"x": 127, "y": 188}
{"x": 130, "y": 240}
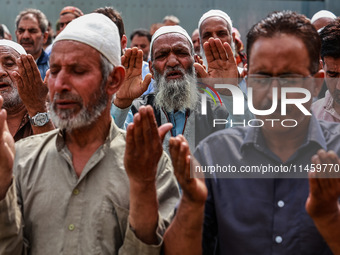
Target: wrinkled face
{"x": 215, "y": 27}
{"x": 65, "y": 19}
{"x": 282, "y": 55}
{"x": 170, "y": 51}
{"x": 8, "y": 89}
{"x": 30, "y": 36}
{"x": 142, "y": 43}
{"x": 77, "y": 90}
{"x": 332, "y": 70}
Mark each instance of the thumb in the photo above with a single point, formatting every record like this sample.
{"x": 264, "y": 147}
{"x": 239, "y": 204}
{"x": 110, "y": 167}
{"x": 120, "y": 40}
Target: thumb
{"x": 162, "y": 130}
{"x": 200, "y": 70}
{"x": 146, "y": 82}
{"x": 46, "y": 77}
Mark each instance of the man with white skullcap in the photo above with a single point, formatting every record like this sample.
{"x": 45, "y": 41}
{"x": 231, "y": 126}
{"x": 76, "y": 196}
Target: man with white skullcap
{"x": 322, "y": 18}
{"x": 87, "y": 187}
{"x": 176, "y": 99}
{"x": 23, "y": 92}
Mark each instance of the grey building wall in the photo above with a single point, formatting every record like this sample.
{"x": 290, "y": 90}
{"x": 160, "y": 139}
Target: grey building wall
{"x": 142, "y": 13}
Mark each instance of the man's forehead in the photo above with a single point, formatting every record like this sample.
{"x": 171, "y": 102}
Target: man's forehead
{"x": 8, "y": 51}
{"x": 210, "y": 23}
{"x": 29, "y": 17}
{"x": 171, "y": 39}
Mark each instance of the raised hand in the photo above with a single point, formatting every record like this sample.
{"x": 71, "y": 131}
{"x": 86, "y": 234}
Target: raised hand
{"x": 222, "y": 66}
{"x": 323, "y": 204}
{"x": 193, "y": 187}
{"x": 184, "y": 235}
{"x": 7, "y": 152}
{"x": 142, "y": 153}
{"x": 32, "y": 90}
{"x": 134, "y": 86}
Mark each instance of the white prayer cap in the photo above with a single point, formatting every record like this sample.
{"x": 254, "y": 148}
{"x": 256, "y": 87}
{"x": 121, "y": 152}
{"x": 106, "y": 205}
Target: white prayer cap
{"x": 170, "y": 29}
{"x": 322, "y": 14}
{"x": 15, "y": 46}
{"x": 97, "y": 31}
{"x": 214, "y": 13}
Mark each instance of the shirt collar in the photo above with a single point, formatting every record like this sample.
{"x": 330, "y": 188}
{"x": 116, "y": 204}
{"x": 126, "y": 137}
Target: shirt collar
{"x": 254, "y": 136}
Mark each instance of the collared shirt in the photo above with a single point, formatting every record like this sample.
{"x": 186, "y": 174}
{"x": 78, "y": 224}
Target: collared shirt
{"x": 64, "y": 214}
{"x": 262, "y": 215}
{"x": 42, "y": 63}
{"x": 145, "y": 71}
{"x": 323, "y": 109}
{"x": 24, "y": 130}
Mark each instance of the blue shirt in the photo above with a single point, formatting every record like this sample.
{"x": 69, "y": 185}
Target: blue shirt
{"x": 263, "y": 215}
{"x": 42, "y": 63}
{"x": 145, "y": 71}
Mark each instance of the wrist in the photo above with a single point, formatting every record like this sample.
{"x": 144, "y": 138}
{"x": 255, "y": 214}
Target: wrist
{"x": 122, "y": 103}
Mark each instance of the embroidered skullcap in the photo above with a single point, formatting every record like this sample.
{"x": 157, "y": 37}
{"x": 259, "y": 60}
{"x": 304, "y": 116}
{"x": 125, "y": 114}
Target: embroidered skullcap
{"x": 15, "y": 46}
{"x": 170, "y": 29}
{"x": 214, "y": 13}
{"x": 322, "y": 14}
{"x": 97, "y": 31}
{"x": 71, "y": 9}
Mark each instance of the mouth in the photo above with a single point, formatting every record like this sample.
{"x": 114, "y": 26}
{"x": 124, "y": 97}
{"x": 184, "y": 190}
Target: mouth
{"x": 66, "y": 104}
{"x": 174, "y": 75}
{"x": 4, "y": 86}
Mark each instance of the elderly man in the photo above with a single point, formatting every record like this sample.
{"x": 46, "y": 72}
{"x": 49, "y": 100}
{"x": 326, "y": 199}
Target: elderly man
{"x": 256, "y": 204}
{"x": 328, "y": 108}
{"x": 322, "y": 18}
{"x": 74, "y": 191}
{"x": 31, "y": 33}
{"x": 23, "y": 92}
{"x": 176, "y": 99}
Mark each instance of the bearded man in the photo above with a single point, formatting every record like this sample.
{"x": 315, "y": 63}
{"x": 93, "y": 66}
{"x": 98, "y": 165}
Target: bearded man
{"x": 87, "y": 187}
{"x": 176, "y": 99}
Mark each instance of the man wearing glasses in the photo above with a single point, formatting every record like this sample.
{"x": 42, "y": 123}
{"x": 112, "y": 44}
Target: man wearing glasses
{"x": 257, "y": 176}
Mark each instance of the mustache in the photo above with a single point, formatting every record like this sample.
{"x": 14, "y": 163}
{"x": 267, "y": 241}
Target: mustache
{"x": 26, "y": 40}
{"x": 6, "y": 81}
{"x": 67, "y": 96}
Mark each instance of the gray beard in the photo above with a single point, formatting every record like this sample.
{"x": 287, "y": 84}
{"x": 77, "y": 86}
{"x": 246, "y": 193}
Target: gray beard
{"x": 11, "y": 99}
{"x": 176, "y": 94}
{"x": 69, "y": 120}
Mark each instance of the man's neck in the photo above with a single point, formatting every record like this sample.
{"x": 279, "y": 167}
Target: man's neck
{"x": 14, "y": 118}
{"x": 36, "y": 56}
{"x": 285, "y": 144}
{"x": 83, "y": 142}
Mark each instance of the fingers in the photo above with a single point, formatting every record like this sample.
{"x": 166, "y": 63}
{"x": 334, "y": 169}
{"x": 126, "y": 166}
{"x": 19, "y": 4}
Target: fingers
{"x": 163, "y": 130}
{"x": 229, "y": 53}
{"x": 46, "y": 77}
{"x": 214, "y": 50}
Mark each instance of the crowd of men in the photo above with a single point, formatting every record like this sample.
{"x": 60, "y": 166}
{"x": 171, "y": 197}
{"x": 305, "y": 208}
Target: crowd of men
{"x": 177, "y": 145}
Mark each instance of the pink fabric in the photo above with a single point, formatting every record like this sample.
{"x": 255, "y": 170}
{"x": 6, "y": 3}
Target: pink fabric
{"x": 323, "y": 109}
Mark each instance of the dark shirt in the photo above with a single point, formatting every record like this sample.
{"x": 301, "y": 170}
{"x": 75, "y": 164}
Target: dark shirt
{"x": 262, "y": 215}
{"x": 42, "y": 63}
{"x": 24, "y": 130}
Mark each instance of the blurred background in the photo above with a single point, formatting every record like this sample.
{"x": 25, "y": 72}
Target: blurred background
{"x": 143, "y": 13}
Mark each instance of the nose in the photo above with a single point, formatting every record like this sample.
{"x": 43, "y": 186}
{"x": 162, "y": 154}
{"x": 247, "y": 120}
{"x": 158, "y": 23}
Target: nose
{"x": 59, "y": 82}
{"x": 26, "y": 34}
{"x": 172, "y": 60}
{"x": 3, "y": 72}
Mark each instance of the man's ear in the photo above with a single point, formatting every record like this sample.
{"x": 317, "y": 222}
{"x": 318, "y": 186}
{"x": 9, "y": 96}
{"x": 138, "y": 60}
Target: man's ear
{"x": 151, "y": 69}
{"x": 318, "y": 81}
{"x": 115, "y": 80}
{"x": 45, "y": 37}
{"x": 123, "y": 42}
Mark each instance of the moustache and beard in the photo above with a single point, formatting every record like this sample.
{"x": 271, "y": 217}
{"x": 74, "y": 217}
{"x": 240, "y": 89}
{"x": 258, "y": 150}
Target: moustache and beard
{"x": 176, "y": 94}
{"x": 69, "y": 119}
{"x": 11, "y": 98}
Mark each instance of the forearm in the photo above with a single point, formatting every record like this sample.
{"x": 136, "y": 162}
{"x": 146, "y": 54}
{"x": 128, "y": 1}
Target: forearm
{"x": 143, "y": 215}
{"x": 184, "y": 235}
{"x": 329, "y": 227}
